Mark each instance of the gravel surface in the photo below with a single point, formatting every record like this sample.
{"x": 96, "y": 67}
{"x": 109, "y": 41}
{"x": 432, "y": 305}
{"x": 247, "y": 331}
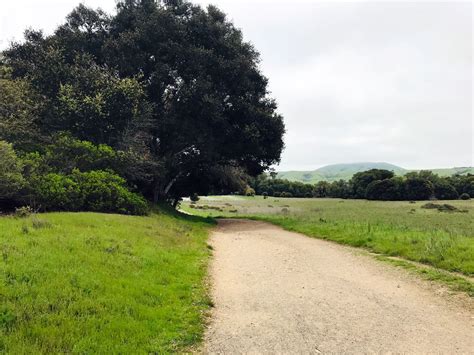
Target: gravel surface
{"x": 281, "y": 292}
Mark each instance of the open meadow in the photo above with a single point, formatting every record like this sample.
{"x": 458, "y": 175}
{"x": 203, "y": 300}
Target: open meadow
{"x": 102, "y": 283}
{"x": 441, "y": 236}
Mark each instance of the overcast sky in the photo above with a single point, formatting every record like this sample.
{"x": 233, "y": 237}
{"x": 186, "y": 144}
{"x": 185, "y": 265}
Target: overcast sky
{"x": 355, "y": 81}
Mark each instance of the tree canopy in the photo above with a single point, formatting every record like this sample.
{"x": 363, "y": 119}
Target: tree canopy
{"x": 171, "y": 85}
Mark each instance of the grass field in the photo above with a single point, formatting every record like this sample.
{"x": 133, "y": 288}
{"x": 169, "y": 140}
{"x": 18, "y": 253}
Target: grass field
{"x": 102, "y": 283}
{"x": 441, "y": 239}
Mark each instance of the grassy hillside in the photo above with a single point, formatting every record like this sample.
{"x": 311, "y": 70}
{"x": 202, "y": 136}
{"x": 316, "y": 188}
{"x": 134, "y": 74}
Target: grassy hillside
{"x": 452, "y": 171}
{"x": 102, "y": 283}
{"x": 404, "y": 229}
{"x": 346, "y": 171}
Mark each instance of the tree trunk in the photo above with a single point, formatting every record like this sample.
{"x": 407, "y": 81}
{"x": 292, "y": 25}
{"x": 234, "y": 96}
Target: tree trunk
{"x": 160, "y": 193}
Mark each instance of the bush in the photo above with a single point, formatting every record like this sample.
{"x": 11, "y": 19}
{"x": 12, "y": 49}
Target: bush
{"x": 97, "y": 191}
{"x": 465, "y": 196}
{"x": 68, "y": 153}
{"x": 276, "y": 194}
{"x": 265, "y": 194}
{"x": 11, "y": 178}
{"x": 286, "y": 194}
{"x": 104, "y": 191}
{"x": 57, "y": 192}
{"x": 194, "y": 197}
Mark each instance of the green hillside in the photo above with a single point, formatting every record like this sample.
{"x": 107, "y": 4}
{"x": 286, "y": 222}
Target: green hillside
{"x": 346, "y": 171}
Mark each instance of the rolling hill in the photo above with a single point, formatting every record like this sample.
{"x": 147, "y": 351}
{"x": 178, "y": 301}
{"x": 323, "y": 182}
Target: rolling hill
{"x": 345, "y": 171}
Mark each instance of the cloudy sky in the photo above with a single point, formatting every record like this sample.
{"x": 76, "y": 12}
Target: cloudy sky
{"x": 356, "y": 81}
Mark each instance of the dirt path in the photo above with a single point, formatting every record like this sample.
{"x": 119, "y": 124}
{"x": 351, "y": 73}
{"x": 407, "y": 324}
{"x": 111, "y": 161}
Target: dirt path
{"x": 281, "y": 292}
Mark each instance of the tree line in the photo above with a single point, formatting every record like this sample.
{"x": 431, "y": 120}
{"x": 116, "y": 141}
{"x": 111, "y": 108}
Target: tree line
{"x": 374, "y": 184}
{"x": 160, "y": 100}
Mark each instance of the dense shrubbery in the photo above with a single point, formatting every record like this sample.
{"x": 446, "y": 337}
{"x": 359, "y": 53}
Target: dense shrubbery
{"x": 374, "y": 184}
{"x": 96, "y": 190}
{"x": 52, "y": 180}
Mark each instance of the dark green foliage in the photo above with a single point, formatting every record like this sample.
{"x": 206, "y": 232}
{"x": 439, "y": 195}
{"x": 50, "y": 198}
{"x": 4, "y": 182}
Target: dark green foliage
{"x": 321, "y": 189}
{"x": 11, "y": 178}
{"x": 463, "y": 183}
{"x": 194, "y": 197}
{"x": 276, "y": 187}
{"x": 340, "y": 189}
{"x": 417, "y": 188}
{"x": 286, "y": 194}
{"x": 68, "y": 153}
{"x": 445, "y": 191}
{"x": 465, "y": 196}
{"x": 360, "y": 181}
{"x": 171, "y": 85}
{"x": 385, "y": 190}
{"x": 97, "y": 190}
{"x": 383, "y": 186}
{"x": 18, "y": 111}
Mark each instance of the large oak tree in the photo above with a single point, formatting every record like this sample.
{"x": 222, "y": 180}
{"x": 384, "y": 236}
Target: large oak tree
{"x": 171, "y": 83}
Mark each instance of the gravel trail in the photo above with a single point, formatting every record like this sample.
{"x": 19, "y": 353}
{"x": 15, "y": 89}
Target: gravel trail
{"x": 281, "y": 292}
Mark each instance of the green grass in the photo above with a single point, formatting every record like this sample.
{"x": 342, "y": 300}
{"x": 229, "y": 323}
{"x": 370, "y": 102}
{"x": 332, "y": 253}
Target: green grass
{"x": 454, "y": 282}
{"x": 102, "y": 283}
{"x": 441, "y": 239}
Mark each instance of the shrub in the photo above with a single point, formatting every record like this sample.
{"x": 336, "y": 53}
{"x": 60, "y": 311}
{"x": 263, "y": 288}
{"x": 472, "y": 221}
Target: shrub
{"x": 465, "y": 196}
{"x": 194, "y": 197}
{"x": 57, "y": 192}
{"x": 265, "y": 194}
{"x": 286, "y": 194}
{"x": 97, "y": 191}
{"x": 11, "y": 178}
{"x": 104, "y": 191}
{"x": 68, "y": 153}
{"x": 276, "y": 194}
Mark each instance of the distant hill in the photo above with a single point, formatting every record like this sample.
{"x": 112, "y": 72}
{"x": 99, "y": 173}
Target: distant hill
{"x": 345, "y": 171}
